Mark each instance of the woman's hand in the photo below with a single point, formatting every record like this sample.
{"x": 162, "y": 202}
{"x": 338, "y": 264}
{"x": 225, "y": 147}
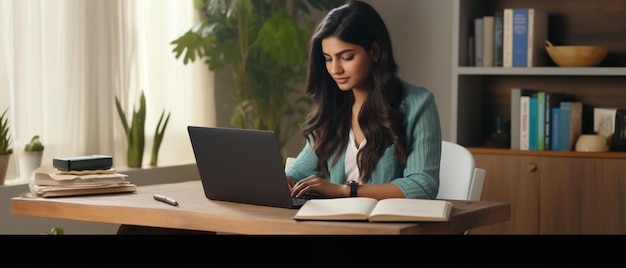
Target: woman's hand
{"x": 318, "y": 186}
{"x": 290, "y": 182}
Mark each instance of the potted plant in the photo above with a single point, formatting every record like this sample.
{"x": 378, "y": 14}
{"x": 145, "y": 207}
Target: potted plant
{"x": 5, "y": 145}
{"x": 31, "y": 157}
{"x": 135, "y": 133}
{"x": 263, "y": 46}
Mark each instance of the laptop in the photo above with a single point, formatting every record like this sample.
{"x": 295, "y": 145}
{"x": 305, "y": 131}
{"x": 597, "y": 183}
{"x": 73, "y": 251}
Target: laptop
{"x": 241, "y": 165}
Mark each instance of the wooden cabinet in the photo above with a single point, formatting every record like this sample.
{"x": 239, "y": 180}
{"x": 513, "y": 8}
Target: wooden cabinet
{"x": 555, "y": 192}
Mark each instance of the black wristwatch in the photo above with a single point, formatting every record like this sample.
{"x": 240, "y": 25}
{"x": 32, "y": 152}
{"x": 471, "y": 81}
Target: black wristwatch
{"x": 354, "y": 186}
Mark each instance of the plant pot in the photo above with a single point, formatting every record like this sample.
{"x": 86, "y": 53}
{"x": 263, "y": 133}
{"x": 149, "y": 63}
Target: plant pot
{"x": 4, "y": 165}
{"x": 29, "y": 161}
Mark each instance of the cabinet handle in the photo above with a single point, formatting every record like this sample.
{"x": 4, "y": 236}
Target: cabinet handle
{"x": 531, "y": 167}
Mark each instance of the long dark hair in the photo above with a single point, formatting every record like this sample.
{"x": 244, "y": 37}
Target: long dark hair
{"x": 328, "y": 122}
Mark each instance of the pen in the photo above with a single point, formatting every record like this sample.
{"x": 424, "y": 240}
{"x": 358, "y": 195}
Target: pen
{"x": 165, "y": 199}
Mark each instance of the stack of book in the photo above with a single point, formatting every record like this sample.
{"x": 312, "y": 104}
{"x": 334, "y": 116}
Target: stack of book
{"x": 544, "y": 121}
{"x": 512, "y": 37}
{"x": 51, "y": 182}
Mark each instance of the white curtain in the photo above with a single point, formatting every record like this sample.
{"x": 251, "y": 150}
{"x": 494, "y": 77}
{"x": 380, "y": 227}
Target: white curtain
{"x": 63, "y": 63}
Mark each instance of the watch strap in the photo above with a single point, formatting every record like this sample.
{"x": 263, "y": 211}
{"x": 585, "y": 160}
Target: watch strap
{"x": 354, "y": 186}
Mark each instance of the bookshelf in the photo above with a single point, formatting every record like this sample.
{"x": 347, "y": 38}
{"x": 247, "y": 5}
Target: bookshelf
{"x": 549, "y": 191}
{"x": 482, "y": 93}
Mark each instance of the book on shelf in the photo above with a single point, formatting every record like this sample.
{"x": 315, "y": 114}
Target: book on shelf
{"x": 570, "y": 124}
{"x": 520, "y": 37}
{"x": 488, "y": 28}
{"x": 552, "y": 100}
{"x": 555, "y": 122}
{"x": 372, "y": 210}
{"x": 516, "y": 116}
{"x": 524, "y": 123}
{"x": 527, "y": 30}
{"x": 541, "y": 120}
{"x": 537, "y": 35}
{"x": 507, "y": 37}
{"x": 497, "y": 39}
{"x": 478, "y": 42}
{"x": 533, "y": 122}
{"x": 514, "y": 133}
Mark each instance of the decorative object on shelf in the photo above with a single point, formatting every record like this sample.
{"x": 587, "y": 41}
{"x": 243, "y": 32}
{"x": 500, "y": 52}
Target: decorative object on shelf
{"x": 263, "y": 45}
{"x": 576, "y": 56}
{"x": 30, "y": 159}
{"x": 591, "y": 143}
{"x": 5, "y": 145}
{"x": 135, "y": 133}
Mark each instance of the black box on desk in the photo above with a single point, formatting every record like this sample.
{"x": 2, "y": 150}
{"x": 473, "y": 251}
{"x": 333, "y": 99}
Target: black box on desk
{"x": 90, "y": 162}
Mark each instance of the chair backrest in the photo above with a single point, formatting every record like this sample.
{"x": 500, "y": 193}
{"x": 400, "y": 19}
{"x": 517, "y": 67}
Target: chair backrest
{"x": 459, "y": 178}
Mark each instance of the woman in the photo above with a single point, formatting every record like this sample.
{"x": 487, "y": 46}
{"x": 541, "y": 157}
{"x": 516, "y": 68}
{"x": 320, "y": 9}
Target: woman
{"x": 369, "y": 133}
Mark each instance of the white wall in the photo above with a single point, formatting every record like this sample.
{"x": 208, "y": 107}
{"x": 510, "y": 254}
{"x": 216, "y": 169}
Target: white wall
{"x": 421, "y": 33}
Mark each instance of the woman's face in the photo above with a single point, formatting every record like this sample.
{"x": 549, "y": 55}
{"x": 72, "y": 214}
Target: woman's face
{"x": 349, "y": 64}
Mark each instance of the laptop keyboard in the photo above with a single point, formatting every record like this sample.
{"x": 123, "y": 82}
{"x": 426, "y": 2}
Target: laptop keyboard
{"x": 299, "y": 201}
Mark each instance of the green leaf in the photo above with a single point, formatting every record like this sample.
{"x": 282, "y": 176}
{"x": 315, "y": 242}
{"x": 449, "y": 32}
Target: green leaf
{"x": 281, "y": 38}
{"x": 159, "y": 132}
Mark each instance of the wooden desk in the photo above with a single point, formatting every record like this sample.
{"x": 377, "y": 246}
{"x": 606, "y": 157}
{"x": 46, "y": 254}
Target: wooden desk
{"x": 196, "y": 212}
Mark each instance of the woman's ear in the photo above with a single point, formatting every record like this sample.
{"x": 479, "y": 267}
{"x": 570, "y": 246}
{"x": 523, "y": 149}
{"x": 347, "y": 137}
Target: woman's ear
{"x": 375, "y": 52}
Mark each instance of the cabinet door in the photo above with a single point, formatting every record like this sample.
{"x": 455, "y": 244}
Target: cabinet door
{"x": 604, "y": 197}
{"x": 582, "y": 196}
{"x": 561, "y": 196}
{"x": 512, "y": 179}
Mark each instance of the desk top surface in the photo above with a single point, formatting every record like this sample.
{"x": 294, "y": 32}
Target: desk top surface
{"x": 196, "y": 212}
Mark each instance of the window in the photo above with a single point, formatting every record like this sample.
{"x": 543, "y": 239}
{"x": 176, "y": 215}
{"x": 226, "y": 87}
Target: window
{"x": 64, "y": 62}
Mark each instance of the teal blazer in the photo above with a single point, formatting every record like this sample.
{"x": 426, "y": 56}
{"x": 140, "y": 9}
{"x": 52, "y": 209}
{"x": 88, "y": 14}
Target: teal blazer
{"x": 420, "y": 177}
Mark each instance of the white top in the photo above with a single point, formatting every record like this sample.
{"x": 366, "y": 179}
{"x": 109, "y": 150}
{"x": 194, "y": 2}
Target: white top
{"x": 352, "y": 170}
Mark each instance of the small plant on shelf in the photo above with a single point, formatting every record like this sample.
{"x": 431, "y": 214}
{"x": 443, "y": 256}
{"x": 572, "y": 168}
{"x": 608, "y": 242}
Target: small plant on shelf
{"x": 34, "y": 145}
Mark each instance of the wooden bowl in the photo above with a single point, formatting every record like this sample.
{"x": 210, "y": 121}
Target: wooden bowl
{"x": 576, "y": 56}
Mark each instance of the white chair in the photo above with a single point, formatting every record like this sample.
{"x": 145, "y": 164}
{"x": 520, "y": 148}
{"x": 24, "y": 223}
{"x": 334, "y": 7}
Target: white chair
{"x": 289, "y": 161}
{"x": 459, "y": 178}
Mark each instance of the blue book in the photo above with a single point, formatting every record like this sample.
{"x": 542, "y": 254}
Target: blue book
{"x": 564, "y": 126}
{"x": 555, "y": 115}
{"x": 533, "y": 123}
{"x": 520, "y": 37}
{"x": 553, "y": 100}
